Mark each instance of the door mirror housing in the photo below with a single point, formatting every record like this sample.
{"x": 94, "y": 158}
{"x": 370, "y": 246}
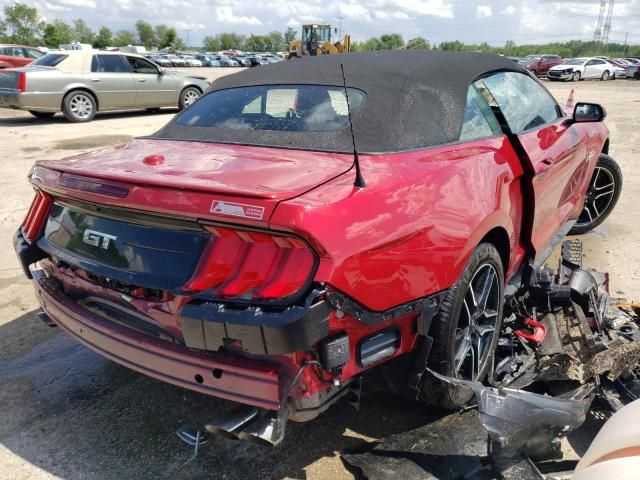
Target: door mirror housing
{"x": 588, "y": 112}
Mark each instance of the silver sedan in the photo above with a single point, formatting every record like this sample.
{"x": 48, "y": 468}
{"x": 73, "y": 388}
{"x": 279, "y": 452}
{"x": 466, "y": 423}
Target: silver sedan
{"x": 81, "y": 83}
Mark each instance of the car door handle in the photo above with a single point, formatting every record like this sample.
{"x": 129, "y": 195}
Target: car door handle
{"x": 95, "y": 80}
{"x": 546, "y": 165}
{"x": 141, "y": 80}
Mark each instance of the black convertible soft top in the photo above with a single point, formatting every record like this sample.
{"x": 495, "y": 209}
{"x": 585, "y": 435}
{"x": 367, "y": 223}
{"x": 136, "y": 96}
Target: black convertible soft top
{"x": 414, "y": 99}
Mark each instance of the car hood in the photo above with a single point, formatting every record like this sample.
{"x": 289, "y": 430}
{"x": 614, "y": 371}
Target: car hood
{"x": 564, "y": 66}
{"x": 252, "y": 172}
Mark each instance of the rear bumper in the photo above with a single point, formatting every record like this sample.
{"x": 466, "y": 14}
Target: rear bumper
{"x": 236, "y": 379}
{"x": 41, "y": 102}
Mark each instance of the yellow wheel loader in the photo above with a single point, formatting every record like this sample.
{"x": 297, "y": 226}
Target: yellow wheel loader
{"x": 316, "y": 40}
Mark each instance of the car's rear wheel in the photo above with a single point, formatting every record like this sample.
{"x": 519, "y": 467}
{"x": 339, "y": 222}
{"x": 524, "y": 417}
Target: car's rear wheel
{"x": 534, "y": 73}
{"x": 79, "y": 106}
{"x": 41, "y": 114}
{"x": 605, "y": 75}
{"x": 576, "y": 76}
{"x": 465, "y": 329}
{"x": 188, "y": 96}
{"x": 601, "y": 197}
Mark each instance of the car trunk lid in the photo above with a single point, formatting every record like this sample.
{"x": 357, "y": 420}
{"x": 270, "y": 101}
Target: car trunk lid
{"x": 234, "y": 170}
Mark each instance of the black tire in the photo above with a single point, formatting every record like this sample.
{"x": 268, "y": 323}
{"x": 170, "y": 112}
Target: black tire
{"x": 534, "y": 73}
{"x": 79, "y": 106}
{"x": 636, "y": 76}
{"x": 188, "y": 96}
{"x": 596, "y": 201}
{"x": 41, "y": 114}
{"x": 576, "y": 76}
{"x": 605, "y": 76}
{"x": 446, "y": 328}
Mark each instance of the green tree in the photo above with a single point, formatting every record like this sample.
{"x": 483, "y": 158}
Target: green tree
{"x": 103, "y": 39}
{"x": 289, "y": 36}
{"x": 454, "y": 46}
{"x": 277, "y": 42}
{"x": 160, "y": 31}
{"x": 179, "y": 44}
{"x": 81, "y": 32}
{"x": 211, "y": 44}
{"x": 57, "y": 33}
{"x": 418, "y": 43}
{"x": 22, "y": 23}
{"x": 168, "y": 38}
{"x": 391, "y": 41}
{"x": 124, "y": 38}
{"x": 258, "y": 43}
{"x": 230, "y": 41}
{"x": 146, "y": 34}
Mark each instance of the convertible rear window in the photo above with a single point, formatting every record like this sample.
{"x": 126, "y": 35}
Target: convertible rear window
{"x": 50, "y": 59}
{"x": 285, "y": 108}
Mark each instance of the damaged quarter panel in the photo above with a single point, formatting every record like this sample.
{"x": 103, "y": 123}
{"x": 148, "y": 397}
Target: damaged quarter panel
{"x": 415, "y": 224}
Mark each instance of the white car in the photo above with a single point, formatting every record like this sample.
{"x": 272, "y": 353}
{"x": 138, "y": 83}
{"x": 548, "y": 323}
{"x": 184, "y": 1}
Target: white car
{"x": 191, "y": 61}
{"x": 582, "y": 68}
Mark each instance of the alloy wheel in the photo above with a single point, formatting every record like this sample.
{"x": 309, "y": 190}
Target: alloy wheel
{"x": 599, "y": 196}
{"x": 189, "y": 97}
{"x": 477, "y": 324}
{"x": 81, "y": 106}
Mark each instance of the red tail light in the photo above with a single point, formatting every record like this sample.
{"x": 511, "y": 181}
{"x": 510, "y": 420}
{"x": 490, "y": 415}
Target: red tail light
{"x": 252, "y": 265}
{"x": 22, "y": 82}
{"x": 36, "y": 216}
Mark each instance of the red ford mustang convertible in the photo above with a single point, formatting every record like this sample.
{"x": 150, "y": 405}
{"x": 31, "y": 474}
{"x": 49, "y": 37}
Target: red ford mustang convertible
{"x": 306, "y": 221}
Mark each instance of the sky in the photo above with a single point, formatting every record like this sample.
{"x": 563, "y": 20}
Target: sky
{"x": 492, "y": 21}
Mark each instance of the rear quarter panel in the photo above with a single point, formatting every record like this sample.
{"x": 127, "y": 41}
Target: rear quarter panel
{"x": 410, "y": 232}
{"x": 47, "y": 88}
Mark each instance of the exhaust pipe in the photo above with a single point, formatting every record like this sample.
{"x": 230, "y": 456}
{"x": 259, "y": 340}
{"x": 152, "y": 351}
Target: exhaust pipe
{"x": 228, "y": 425}
{"x": 268, "y": 430}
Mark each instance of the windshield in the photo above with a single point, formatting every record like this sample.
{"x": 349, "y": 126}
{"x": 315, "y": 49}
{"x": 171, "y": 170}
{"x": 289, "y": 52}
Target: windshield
{"x": 50, "y": 60}
{"x": 576, "y": 61}
{"x": 285, "y": 108}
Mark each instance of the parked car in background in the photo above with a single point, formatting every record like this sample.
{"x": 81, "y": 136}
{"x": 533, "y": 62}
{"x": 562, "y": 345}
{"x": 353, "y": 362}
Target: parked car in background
{"x": 81, "y": 83}
{"x": 208, "y": 60}
{"x": 263, "y": 262}
{"x": 160, "y": 60}
{"x": 619, "y": 68}
{"x": 176, "y": 61}
{"x": 633, "y": 71}
{"x": 539, "y": 65}
{"x": 242, "y": 60}
{"x": 581, "y": 69}
{"x": 256, "y": 60}
{"x": 18, "y": 55}
{"x": 191, "y": 61}
{"x": 226, "y": 61}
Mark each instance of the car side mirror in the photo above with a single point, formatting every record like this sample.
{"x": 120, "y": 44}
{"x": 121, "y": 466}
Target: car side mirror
{"x": 588, "y": 112}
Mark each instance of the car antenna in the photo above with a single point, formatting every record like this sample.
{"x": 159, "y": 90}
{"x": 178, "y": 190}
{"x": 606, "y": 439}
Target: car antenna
{"x": 359, "y": 182}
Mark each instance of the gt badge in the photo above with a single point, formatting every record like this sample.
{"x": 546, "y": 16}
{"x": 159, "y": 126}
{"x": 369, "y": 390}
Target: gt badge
{"x": 98, "y": 239}
{"x": 237, "y": 209}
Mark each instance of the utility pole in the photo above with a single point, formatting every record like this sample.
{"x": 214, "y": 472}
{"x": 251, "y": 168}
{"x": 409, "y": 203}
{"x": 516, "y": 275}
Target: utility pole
{"x": 624, "y": 49}
{"x": 188, "y": 31}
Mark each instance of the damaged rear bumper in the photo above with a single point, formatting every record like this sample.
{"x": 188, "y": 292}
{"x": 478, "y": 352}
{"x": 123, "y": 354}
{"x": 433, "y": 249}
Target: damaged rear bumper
{"x": 236, "y": 379}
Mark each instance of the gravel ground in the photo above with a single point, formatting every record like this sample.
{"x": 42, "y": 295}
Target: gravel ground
{"x": 68, "y": 413}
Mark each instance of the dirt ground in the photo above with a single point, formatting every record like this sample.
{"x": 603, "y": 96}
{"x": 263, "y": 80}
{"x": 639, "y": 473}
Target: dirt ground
{"x": 68, "y": 413}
